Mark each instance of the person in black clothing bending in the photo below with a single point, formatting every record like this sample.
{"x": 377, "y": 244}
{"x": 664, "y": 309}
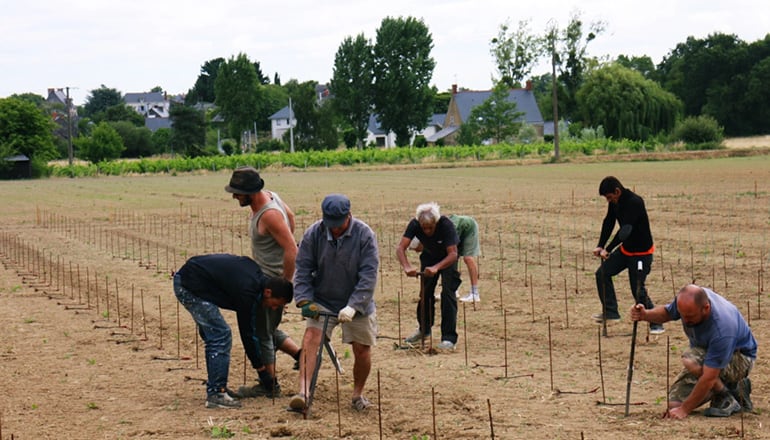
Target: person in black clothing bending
{"x": 630, "y": 245}
{"x": 438, "y": 258}
{"x": 206, "y": 283}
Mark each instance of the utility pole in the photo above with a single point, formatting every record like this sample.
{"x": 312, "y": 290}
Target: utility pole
{"x": 69, "y": 126}
{"x": 291, "y": 129}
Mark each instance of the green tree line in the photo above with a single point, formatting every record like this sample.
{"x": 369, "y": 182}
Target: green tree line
{"x": 717, "y": 81}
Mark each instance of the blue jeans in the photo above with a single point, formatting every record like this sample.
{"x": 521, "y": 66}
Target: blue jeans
{"x": 215, "y": 333}
{"x": 450, "y": 281}
{"x": 613, "y": 265}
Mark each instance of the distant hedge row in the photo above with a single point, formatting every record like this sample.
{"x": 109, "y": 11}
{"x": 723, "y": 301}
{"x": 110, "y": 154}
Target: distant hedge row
{"x": 372, "y": 156}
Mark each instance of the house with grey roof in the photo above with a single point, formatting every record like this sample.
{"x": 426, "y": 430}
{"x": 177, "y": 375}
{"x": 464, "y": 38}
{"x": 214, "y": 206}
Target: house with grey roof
{"x": 148, "y": 104}
{"x": 462, "y": 102}
{"x": 281, "y": 121}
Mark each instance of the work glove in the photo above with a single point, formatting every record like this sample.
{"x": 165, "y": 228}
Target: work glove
{"x": 267, "y": 380}
{"x": 346, "y": 314}
{"x": 309, "y": 309}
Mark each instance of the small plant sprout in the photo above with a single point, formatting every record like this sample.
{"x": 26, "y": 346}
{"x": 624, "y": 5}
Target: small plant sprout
{"x": 92, "y": 405}
{"x": 91, "y": 361}
{"x": 218, "y": 431}
{"x": 29, "y": 320}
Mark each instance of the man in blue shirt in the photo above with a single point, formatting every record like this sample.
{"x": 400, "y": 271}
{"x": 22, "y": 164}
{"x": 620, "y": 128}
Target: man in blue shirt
{"x": 721, "y": 354}
{"x": 336, "y": 272}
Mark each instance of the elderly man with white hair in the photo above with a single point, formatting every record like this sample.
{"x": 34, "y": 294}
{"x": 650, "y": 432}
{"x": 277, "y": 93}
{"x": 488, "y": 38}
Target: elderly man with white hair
{"x": 438, "y": 258}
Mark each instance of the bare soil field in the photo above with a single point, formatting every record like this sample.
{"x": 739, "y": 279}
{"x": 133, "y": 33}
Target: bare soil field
{"x": 95, "y": 346}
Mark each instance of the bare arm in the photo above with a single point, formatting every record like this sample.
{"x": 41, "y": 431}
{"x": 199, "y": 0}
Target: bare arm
{"x": 450, "y": 259}
{"x": 657, "y": 314}
{"x": 401, "y": 254}
{"x": 698, "y": 396}
{"x": 289, "y": 214}
{"x": 276, "y": 227}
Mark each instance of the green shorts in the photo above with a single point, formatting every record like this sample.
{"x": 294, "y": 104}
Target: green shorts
{"x": 362, "y": 329}
{"x": 738, "y": 368}
{"x": 469, "y": 238}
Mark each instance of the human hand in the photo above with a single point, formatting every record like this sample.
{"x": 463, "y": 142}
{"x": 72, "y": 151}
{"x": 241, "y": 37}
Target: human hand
{"x": 309, "y": 309}
{"x": 675, "y": 413}
{"x": 603, "y": 254}
{"x": 410, "y": 271}
{"x": 598, "y": 251}
{"x": 346, "y": 314}
{"x": 638, "y": 312}
{"x": 430, "y": 271}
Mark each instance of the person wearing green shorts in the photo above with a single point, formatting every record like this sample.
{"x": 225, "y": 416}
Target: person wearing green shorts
{"x": 721, "y": 355}
{"x": 468, "y": 249}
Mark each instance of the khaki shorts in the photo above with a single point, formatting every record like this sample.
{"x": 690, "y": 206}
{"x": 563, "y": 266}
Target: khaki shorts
{"x": 362, "y": 329}
{"x": 738, "y": 368}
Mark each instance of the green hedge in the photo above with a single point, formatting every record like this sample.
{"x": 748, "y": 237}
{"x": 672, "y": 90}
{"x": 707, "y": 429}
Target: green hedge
{"x": 370, "y": 156}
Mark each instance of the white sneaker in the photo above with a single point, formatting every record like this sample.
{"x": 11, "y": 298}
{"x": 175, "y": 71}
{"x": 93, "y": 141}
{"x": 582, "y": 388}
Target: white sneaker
{"x": 446, "y": 345}
{"x": 471, "y": 298}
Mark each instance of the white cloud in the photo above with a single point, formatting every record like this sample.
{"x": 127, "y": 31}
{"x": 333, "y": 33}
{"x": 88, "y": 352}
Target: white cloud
{"x": 134, "y": 46}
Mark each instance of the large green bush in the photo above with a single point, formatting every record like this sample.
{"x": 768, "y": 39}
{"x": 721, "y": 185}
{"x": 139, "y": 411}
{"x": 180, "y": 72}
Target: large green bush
{"x": 698, "y": 130}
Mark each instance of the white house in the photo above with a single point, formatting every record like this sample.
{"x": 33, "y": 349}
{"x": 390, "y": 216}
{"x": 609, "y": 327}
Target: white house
{"x": 280, "y": 122}
{"x": 149, "y": 105}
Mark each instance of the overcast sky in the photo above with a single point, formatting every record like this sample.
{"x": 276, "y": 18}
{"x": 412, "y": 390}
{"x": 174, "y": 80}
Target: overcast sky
{"x": 135, "y": 45}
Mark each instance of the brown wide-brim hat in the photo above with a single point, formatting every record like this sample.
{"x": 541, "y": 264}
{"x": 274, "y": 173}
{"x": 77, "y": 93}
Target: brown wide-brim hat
{"x": 245, "y": 180}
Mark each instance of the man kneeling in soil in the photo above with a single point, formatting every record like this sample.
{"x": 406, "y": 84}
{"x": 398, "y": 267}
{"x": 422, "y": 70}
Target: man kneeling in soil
{"x": 721, "y": 354}
{"x": 207, "y": 283}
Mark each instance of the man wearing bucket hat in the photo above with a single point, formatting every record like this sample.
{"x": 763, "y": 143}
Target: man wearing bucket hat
{"x": 271, "y": 229}
{"x": 337, "y": 267}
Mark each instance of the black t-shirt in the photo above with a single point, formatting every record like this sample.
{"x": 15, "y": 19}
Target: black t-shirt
{"x": 434, "y": 248}
{"x": 229, "y": 281}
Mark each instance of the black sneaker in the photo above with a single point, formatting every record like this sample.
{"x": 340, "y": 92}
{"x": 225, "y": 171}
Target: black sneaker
{"x": 722, "y": 405}
{"x": 259, "y": 390}
{"x": 222, "y": 400}
{"x": 599, "y": 317}
{"x": 742, "y": 393}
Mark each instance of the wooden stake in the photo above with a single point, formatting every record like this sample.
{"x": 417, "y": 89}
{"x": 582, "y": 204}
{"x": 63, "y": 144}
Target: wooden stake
{"x": 433, "y": 411}
{"x": 179, "y": 334}
{"x": 107, "y": 295}
{"x": 525, "y": 269}
{"x": 337, "y": 388}
{"x": 668, "y": 369}
{"x": 244, "y": 367}
{"x": 491, "y": 425}
{"x": 379, "y": 403}
{"x": 566, "y": 303}
{"x": 117, "y": 301}
{"x": 601, "y": 369}
{"x": 144, "y": 321}
{"x": 505, "y": 344}
{"x": 532, "y": 298}
{"x": 465, "y": 336}
{"x": 160, "y": 325}
{"x": 132, "y": 309}
{"x": 550, "y": 351}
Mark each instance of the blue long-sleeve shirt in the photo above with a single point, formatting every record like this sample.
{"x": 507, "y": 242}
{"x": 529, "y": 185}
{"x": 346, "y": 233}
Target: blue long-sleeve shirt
{"x": 338, "y": 273}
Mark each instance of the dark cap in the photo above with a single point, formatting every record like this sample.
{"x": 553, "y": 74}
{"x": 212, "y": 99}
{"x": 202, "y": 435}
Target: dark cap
{"x": 245, "y": 180}
{"x": 336, "y": 208}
